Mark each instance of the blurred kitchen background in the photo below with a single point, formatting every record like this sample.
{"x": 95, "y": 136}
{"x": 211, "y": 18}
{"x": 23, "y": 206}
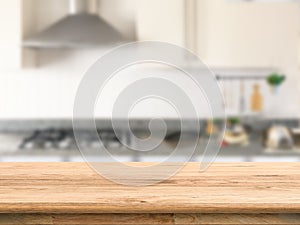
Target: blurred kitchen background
{"x": 46, "y": 46}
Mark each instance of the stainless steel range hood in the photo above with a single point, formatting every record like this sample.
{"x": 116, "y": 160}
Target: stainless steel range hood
{"x": 81, "y": 28}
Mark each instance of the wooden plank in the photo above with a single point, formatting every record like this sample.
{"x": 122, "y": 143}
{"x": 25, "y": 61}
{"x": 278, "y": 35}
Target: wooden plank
{"x": 28, "y": 219}
{"x": 87, "y": 219}
{"x": 232, "y": 219}
{"x": 111, "y": 219}
{"x": 223, "y": 188}
{"x": 147, "y": 219}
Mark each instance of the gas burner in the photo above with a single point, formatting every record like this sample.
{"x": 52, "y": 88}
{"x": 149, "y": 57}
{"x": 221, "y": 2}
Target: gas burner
{"x": 64, "y": 139}
{"x": 49, "y": 139}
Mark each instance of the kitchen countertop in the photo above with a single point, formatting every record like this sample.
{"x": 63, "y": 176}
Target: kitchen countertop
{"x": 75, "y": 187}
{"x": 252, "y": 153}
{"x": 67, "y": 193}
{"x": 12, "y": 134}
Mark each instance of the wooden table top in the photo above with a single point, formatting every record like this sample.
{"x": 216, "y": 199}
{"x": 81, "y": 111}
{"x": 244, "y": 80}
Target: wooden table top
{"x": 223, "y": 188}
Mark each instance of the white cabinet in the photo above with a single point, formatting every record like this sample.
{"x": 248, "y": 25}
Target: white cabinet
{"x": 161, "y": 20}
{"x": 10, "y": 33}
{"x": 248, "y": 34}
{"x": 16, "y": 16}
{"x": 227, "y": 33}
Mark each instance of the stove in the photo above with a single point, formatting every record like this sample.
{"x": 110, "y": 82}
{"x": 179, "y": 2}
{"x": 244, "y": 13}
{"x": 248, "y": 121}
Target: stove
{"x": 65, "y": 139}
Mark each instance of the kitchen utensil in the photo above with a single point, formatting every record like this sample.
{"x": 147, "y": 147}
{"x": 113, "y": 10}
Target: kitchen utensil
{"x": 211, "y": 128}
{"x": 225, "y": 94}
{"x": 236, "y": 135}
{"x": 242, "y": 97}
{"x": 256, "y": 99}
{"x": 231, "y": 94}
{"x": 279, "y": 137}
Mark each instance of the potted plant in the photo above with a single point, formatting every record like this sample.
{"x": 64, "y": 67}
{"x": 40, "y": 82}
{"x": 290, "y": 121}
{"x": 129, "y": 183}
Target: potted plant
{"x": 275, "y": 80}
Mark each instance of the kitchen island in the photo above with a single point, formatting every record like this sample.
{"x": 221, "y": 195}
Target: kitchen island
{"x": 227, "y": 193}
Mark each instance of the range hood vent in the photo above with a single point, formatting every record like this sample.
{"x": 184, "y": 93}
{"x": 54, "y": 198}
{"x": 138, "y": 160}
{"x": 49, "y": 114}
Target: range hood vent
{"x": 80, "y": 29}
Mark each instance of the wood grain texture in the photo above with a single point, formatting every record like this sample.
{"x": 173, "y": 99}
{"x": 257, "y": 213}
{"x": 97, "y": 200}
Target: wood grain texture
{"x": 86, "y": 219}
{"x": 147, "y": 219}
{"x": 232, "y": 219}
{"x": 223, "y": 188}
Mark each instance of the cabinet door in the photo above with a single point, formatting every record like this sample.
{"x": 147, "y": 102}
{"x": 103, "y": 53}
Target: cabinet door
{"x": 161, "y": 20}
{"x": 18, "y": 17}
{"x": 248, "y": 34}
{"x": 10, "y": 33}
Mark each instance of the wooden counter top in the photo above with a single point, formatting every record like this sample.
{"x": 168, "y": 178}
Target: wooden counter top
{"x": 67, "y": 188}
{"x": 74, "y": 187}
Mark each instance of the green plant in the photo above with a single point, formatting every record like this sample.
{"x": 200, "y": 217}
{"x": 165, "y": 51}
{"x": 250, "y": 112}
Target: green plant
{"x": 234, "y": 120}
{"x": 275, "y": 79}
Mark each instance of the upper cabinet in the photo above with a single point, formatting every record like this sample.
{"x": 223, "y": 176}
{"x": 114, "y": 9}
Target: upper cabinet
{"x": 248, "y": 34}
{"x": 18, "y": 16}
{"x": 10, "y": 33}
{"x": 225, "y": 33}
{"x": 222, "y": 33}
{"x": 161, "y": 20}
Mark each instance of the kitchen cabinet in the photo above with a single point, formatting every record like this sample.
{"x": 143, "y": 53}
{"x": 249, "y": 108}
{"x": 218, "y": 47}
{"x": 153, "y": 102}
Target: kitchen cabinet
{"x": 161, "y": 21}
{"x": 225, "y": 33}
{"x": 248, "y": 34}
{"x": 17, "y": 17}
{"x": 10, "y": 30}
